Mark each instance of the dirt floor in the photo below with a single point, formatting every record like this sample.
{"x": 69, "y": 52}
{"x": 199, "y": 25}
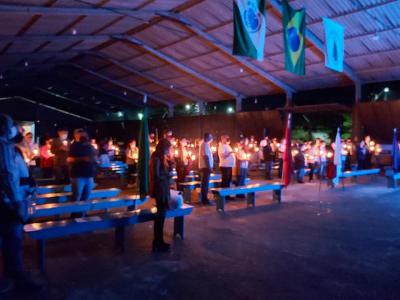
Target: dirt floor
{"x": 332, "y": 244}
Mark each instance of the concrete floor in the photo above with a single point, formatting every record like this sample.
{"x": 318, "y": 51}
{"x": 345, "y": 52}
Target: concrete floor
{"x": 330, "y": 245}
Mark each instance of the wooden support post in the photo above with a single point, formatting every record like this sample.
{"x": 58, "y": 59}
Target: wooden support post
{"x": 356, "y": 123}
{"x": 239, "y": 101}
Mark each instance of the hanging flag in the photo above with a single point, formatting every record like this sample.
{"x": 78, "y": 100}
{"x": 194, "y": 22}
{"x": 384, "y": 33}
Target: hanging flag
{"x": 249, "y": 23}
{"x": 337, "y": 159}
{"x": 294, "y": 26}
{"x": 144, "y": 154}
{"x": 395, "y": 151}
{"x": 287, "y": 155}
{"x": 334, "y": 45}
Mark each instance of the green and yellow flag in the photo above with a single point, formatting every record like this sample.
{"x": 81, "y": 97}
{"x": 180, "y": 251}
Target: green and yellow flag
{"x": 294, "y": 27}
{"x": 249, "y": 21}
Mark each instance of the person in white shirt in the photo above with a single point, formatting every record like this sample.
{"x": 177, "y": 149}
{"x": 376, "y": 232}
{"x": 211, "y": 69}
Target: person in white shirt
{"x": 226, "y": 161}
{"x": 132, "y": 158}
{"x": 206, "y": 164}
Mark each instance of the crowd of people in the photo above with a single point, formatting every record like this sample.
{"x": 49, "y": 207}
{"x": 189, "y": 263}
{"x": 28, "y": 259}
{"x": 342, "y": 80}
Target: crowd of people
{"x": 75, "y": 161}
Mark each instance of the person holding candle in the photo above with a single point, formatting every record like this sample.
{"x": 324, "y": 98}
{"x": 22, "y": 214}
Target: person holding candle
{"x": 60, "y": 147}
{"x": 300, "y": 163}
{"x": 206, "y": 165}
{"x": 29, "y": 150}
{"x": 132, "y": 158}
{"x": 183, "y": 157}
{"x": 268, "y": 155}
{"x": 362, "y": 155}
{"x": 47, "y": 159}
{"x": 226, "y": 161}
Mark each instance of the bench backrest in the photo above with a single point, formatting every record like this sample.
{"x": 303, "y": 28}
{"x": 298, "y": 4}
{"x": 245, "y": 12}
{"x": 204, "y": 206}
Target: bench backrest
{"x": 63, "y": 197}
{"x": 48, "y": 210}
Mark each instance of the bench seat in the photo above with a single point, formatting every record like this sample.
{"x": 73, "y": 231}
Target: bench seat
{"x": 248, "y": 190}
{"x": 64, "y": 197}
{"x": 57, "y": 229}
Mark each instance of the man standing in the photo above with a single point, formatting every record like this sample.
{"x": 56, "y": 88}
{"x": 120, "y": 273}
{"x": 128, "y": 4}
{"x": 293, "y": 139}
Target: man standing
{"x": 268, "y": 155}
{"x": 59, "y": 148}
{"x": 82, "y": 158}
{"x": 206, "y": 164}
{"x": 13, "y": 212}
{"x": 226, "y": 161}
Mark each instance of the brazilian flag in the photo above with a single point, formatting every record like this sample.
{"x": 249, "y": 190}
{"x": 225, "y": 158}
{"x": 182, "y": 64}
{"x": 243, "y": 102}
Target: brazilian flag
{"x": 294, "y": 27}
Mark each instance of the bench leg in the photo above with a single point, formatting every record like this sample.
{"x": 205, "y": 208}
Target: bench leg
{"x": 179, "y": 227}
{"x": 277, "y": 195}
{"x": 120, "y": 238}
{"x": 187, "y": 195}
{"x": 132, "y": 207}
{"x": 41, "y": 255}
{"x": 220, "y": 202}
{"x": 251, "y": 199}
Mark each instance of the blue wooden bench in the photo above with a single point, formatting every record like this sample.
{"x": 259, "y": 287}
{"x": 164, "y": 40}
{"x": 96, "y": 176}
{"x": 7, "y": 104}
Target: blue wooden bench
{"x": 358, "y": 173}
{"x": 41, "y": 232}
{"x": 64, "y": 197}
{"x": 54, "y": 188}
{"x": 392, "y": 179}
{"x": 249, "y": 190}
{"x": 56, "y": 209}
{"x": 189, "y": 187}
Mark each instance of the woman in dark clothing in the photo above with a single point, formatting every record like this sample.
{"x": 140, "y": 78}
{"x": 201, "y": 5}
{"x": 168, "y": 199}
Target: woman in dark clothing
{"x": 160, "y": 188}
{"x": 362, "y": 155}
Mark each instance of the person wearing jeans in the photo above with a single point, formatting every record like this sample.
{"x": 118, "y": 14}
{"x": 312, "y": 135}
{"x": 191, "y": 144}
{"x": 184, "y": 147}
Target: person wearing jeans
{"x": 82, "y": 160}
{"x": 206, "y": 164}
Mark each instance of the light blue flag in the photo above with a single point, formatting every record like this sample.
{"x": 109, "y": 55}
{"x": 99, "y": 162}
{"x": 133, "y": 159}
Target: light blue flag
{"x": 334, "y": 45}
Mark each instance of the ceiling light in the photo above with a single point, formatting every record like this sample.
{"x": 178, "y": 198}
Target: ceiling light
{"x": 1, "y": 77}
{"x": 187, "y": 106}
{"x": 376, "y": 37}
{"x": 171, "y": 86}
{"x": 74, "y": 31}
{"x": 125, "y": 93}
{"x": 241, "y": 70}
{"x": 230, "y": 110}
{"x": 26, "y": 64}
{"x": 386, "y": 90}
{"x": 140, "y": 116}
{"x": 120, "y": 114}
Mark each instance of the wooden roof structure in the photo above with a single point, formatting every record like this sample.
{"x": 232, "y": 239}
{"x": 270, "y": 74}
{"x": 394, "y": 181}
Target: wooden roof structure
{"x": 179, "y": 51}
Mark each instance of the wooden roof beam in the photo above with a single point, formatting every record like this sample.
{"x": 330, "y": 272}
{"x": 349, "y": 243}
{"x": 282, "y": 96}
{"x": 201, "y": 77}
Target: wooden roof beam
{"x": 313, "y": 39}
{"x": 120, "y": 84}
{"x": 75, "y": 11}
{"x": 182, "y": 67}
{"x": 144, "y": 75}
{"x": 196, "y": 28}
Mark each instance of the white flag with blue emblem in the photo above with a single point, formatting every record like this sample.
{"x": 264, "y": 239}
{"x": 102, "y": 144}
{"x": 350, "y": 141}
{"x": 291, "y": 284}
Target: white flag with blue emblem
{"x": 249, "y": 21}
{"x": 334, "y": 45}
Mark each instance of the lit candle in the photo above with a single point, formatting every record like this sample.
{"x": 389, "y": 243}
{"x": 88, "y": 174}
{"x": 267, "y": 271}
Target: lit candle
{"x": 193, "y": 157}
{"x": 257, "y": 149}
{"x": 214, "y": 149}
{"x": 65, "y": 143}
{"x": 176, "y": 152}
{"x": 236, "y": 150}
{"x": 251, "y": 145}
{"x": 248, "y": 155}
{"x": 35, "y": 152}
{"x": 329, "y": 155}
